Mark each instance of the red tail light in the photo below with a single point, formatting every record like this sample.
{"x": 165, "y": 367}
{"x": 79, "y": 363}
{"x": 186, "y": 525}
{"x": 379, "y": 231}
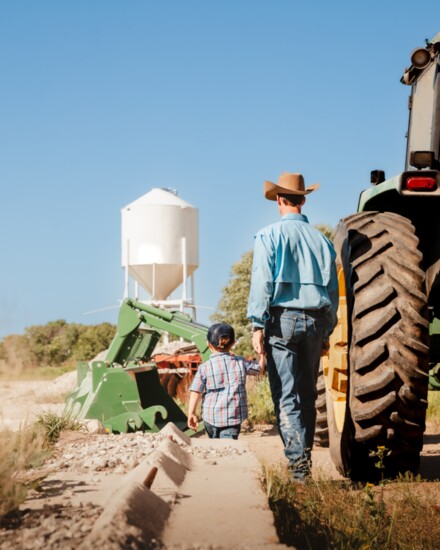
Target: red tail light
{"x": 421, "y": 183}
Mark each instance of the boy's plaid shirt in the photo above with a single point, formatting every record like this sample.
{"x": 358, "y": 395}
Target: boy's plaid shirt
{"x": 223, "y": 379}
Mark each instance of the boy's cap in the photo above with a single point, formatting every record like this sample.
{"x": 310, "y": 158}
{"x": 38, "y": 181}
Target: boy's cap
{"x": 220, "y": 330}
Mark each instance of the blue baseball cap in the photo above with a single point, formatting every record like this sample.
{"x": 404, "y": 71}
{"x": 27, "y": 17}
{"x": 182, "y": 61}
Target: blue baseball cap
{"x": 218, "y": 331}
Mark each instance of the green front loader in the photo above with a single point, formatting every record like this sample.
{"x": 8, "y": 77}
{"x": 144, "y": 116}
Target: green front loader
{"x": 385, "y": 351}
{"x": 123, "y": 391}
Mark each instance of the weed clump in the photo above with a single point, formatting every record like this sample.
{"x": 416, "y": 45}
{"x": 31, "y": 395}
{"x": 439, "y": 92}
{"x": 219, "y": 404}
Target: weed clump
{"x": 53, "y": 424}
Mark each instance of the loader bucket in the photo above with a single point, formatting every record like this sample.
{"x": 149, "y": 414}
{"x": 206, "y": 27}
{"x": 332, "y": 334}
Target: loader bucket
{"x": 123, "y": 399}
{"x": 151, "y": 393}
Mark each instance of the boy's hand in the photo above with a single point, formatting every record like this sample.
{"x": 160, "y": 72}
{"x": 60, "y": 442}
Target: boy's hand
{"x": 193, "y": 422}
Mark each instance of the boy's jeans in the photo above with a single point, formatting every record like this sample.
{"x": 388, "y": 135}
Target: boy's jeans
{"x": 294, "y": 341}
{"x": 226, "y": 432}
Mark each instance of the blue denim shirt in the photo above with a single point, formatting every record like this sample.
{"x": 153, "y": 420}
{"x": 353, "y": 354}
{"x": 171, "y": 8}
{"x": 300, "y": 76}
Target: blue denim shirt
{"x": 293, "y": 267}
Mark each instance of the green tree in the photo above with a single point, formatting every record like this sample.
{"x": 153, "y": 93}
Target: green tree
{"x": 232, "y": 306}
{"x": 50, "y": 344}
{"x": 93, "y": 340}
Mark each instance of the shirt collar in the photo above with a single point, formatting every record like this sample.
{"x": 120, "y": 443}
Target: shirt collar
{"x": 297, "y": 217}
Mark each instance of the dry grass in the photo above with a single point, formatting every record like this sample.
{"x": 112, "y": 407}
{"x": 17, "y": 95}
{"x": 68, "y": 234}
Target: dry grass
{"x": 25, "y": 449}
{"x": 18, "y": 452}
{"x": 334, "y": 514}
{"x": 400, "y": 514}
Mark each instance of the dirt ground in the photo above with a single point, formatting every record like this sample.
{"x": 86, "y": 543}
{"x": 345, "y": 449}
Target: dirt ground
{"x": 79, "y": 478}
{"x": 21, "y": 400}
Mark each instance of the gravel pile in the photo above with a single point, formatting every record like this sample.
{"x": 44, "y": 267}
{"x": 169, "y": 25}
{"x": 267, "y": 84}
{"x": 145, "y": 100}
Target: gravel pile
{"x": 64, "y": 383}
{"x": 108, "y": 453}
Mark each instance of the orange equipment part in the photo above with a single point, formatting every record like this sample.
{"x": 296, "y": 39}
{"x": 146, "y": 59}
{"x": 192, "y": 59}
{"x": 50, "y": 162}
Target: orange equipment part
{"x": 176, "y": 372}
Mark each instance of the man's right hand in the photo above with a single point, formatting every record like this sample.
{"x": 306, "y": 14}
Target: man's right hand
{"x": 258, "y": 341}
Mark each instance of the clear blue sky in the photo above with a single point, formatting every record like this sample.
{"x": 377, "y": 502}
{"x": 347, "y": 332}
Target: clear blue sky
{"x": 103, "y": 100}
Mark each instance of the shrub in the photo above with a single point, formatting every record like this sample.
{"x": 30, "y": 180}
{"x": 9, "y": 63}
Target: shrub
{"x": 92, "y": 340}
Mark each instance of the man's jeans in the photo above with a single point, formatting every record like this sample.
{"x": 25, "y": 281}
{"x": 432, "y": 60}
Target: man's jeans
{"x": 226, "y": 432}
{"x": 294, "y": 341}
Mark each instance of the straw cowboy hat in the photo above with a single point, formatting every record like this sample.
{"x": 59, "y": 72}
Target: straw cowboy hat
{"x": 289, "y": 184}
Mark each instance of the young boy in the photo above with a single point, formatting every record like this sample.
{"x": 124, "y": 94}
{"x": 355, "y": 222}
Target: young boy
{"x": 223, "y": 381}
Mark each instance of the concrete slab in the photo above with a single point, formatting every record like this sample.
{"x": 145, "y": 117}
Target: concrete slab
{"x": 221, "y": 503}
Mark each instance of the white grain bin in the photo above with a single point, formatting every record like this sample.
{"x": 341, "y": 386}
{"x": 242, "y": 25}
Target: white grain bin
{"x": 160, "y": 241}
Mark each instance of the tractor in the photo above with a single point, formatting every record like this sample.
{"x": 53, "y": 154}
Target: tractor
{"x": 385, "y": 351}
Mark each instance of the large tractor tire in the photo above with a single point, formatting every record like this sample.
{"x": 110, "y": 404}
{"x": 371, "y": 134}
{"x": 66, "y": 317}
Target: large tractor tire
{"x": 321, "y": 427}
{"x": 387, "y": 326}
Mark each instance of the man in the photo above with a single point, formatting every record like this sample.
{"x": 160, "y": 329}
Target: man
{"x": 292, "y": 305}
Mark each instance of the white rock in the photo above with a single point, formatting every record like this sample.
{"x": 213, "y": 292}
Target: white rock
{"x": 95, "y": 427}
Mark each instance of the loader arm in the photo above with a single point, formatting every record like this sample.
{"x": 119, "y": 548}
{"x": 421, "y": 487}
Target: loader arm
{"x": 132, "y": 343}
